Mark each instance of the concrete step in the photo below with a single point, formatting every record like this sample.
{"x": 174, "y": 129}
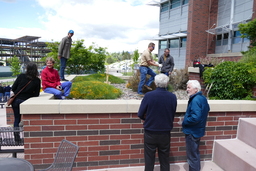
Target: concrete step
{"x": 246, "y": 128}
{"x": 205, "y": 166}
{"x": 234, "y": 155}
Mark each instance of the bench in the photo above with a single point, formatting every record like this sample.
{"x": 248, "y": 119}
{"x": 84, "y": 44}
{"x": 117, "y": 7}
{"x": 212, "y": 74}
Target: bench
{"x": 11, "y": 137}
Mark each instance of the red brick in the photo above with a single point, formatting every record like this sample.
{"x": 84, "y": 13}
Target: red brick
{"x": 98, "y": 116}
{"x": 97, "y": 127}
{"x": 215, "y": 123}
{"x": 119, "y": 157}
{"x": 89, "y": 121}
{"x": 41, "y": 145}
{"x": 227, "y": 118}
{"x": 76, "y": 127}
{"x": 119, "y": 147}
{"x": 52, "y": 128}
{"x": 32, "y": 128}
{"x": 98, "y": 137}
{"x": 118, "y": 115}
{"x": 88, "y": 143}
{"x": 233, "y": 123}
{"x": 52, "y": 139}
{"x": 120, "y": 137}
{"x": 131, "y": 141}
{"x": 97, "y": 158}
{"x": 98, "y": 148}
{"x": 41, "y": 122}
{"x": 65, "y": 122}
{"x": 53, "y": 116}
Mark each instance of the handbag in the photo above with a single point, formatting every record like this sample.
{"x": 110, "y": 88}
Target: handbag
{"x": 11, "y": 99}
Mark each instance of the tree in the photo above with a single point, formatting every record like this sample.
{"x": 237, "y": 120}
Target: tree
{"x": 248, "y": 30}
{"x": 15, "y": 66}
{"x": 135, "y": 56}
{"x": 82, "y": 60}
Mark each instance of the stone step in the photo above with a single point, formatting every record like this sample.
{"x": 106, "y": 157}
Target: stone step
{"x": 234, "y": 155}
{"x": 246, "y": 128}
{"x": 205, "y": 166}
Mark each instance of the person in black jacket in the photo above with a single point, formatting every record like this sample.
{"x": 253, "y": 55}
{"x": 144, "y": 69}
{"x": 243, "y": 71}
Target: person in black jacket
{"x": 157, "y": 110}
{"x": 31, "y": 90}
{"x": 167, "y": 62}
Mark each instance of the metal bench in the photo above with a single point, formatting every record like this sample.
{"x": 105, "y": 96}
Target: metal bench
{"x": 11, "y": 137}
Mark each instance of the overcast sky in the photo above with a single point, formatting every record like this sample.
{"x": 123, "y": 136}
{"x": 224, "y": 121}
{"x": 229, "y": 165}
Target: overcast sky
{"x": 116, "y": 24}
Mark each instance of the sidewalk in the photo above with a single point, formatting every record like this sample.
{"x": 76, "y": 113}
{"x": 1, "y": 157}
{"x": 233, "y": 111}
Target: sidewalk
{"x": 3, "y": 124}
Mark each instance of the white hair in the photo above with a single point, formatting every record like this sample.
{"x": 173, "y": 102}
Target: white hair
{"x": 161, "y": 80}
{"x": 194, "y": 84}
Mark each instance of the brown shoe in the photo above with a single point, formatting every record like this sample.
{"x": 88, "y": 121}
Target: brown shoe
{"x": 147, "y": 87}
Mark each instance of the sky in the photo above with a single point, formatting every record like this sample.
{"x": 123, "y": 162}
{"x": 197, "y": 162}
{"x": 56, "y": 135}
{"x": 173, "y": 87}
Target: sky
{"x": 118, "y": 25}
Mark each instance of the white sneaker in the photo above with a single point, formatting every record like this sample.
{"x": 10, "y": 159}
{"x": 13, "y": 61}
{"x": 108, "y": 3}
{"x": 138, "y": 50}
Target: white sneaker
{"x": 63, "y": 97}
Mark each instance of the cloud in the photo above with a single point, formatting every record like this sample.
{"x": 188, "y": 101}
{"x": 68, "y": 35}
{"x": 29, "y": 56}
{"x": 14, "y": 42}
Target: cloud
{"x": 116, "y": 24}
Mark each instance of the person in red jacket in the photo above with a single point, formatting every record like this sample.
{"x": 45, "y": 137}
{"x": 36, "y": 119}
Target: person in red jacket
{"x": 51, "y": 81}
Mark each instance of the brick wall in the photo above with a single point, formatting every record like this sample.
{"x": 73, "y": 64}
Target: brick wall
{"x": 202, "y": 15}
{"x": 113, "y": 140}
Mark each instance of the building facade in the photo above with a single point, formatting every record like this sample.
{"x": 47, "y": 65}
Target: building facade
{"x": 195, "y": 29}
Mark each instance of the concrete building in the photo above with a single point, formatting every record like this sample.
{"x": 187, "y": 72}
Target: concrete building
{"x": 194, "y": 29}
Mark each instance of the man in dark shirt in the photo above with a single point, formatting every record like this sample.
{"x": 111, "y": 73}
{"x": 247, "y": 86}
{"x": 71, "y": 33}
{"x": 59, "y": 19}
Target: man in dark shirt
{"x": 157, "y": 110}
{"x": 167, "y": 62}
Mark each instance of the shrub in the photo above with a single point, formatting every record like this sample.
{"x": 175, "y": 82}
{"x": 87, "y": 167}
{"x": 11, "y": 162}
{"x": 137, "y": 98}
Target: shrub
{"x": 93, "y": 87}
{"x": 231, "y": 80}
{"x": 94, "y": 90}
{"x": 179, "y": 79}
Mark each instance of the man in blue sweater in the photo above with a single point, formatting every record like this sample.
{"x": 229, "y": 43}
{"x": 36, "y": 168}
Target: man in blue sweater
{"x": 157, "y": 110}
{"x": 194, "y": 123}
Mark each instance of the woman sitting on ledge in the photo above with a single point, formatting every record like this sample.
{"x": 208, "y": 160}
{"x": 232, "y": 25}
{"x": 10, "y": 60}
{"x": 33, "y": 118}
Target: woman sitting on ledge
{"x": 51, "y": 81}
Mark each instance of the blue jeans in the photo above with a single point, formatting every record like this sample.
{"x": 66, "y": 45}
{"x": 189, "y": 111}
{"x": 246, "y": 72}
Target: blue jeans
{"x": 143, "y": 75}
{"x": 63, "y": 62}
{"x": 16, "y": 110}
{"x": 193, "y": 154}
{"x": 66, "y": 86}
{"x": 1, "y": 96}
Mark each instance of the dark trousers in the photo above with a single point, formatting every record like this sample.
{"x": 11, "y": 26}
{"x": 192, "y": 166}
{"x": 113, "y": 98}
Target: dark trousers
{"x": 16, "y": 110}
{"x": 193, "y": 154}
{"x": 161, "y": 142}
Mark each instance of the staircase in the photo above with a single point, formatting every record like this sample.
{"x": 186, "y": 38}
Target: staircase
{"x": 238, "y": 154}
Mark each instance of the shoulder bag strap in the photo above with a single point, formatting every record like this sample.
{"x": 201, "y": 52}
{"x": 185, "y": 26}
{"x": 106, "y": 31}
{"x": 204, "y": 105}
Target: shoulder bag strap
{"x": 22, "y": 89}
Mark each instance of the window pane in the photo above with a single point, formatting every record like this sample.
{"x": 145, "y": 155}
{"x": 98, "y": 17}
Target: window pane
{"x": 184, "y": 2}
{"x": 225, "y": 41}
{"x": 218, "y": 43}
{"x": 164, "y": 6}
{"x": 175, "y": 3}
{"x": 163, "y": 44}
{"x": 183, "y": 42}
{"x": 174, "y": 43}
{"x": 237, "y": 40}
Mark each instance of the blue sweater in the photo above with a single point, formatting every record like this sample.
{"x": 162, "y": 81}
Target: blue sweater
{"x": 158, "y": 108}
{"x": 196, "y": 115}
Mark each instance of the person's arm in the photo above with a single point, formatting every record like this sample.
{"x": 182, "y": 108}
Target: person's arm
{"x": 142, "y": 110}
{"x": 38, "y": 88}
{"x": 15, "y": 84}
{"x": 194, "y": 114}
{"x": 171, "y": 64}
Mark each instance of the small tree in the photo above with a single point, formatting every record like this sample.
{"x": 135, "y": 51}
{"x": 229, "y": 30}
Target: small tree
{"x": 15, "y": 66}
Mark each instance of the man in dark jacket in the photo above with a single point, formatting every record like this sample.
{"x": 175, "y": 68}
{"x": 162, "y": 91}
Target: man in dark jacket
{"x": 194, "y": 123}
{"x": 64, "y": 53}
{"x": 157, "y": 110}
{"x": 167, "y": 62}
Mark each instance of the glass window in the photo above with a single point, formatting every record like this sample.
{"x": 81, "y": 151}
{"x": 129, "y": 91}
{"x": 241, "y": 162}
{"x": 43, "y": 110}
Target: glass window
{"x": 164, "y": 6}
{"x": 175, "y": 3}
{"x": 183, "y": 42}
{"x": 184, "y": 2}
{"x": 225, "y": 39}
{"x": 163, "y": 44}
{"x": 174, "y": 43}
{"x": 237, "y": 37}
{"x": 218, "y": 41}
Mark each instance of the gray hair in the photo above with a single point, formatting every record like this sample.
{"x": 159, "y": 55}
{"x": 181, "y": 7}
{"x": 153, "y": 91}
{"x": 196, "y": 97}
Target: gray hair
{"x": 195, "y": 84}
{"x": 161, "y": 80}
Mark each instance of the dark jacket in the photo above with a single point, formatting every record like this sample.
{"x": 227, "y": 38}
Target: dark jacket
{"x": 158, "y": 108}
{"x": 168, "y": 64}
{"x": 32, "y": 89}
{"x": 196, "y": 115}
{"x": 64, "y": 47}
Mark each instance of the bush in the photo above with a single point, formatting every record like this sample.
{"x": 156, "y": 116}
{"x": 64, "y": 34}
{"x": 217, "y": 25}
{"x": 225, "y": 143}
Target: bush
{"x": 179, "y": 79}
{"x": 231, "y": 80}
{"x": 94, "y": 90}
{"x": 93, "y": 87}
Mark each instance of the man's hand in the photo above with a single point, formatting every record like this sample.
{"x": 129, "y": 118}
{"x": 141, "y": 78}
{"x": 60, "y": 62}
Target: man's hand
{"x": 160, "y": 65}
{"x": 58, "y": 87}
{"x": 59, "y": 57}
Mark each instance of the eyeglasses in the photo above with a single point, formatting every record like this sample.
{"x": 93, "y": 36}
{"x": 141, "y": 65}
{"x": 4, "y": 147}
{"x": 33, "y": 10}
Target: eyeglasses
{"x": 153, "y": 47}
